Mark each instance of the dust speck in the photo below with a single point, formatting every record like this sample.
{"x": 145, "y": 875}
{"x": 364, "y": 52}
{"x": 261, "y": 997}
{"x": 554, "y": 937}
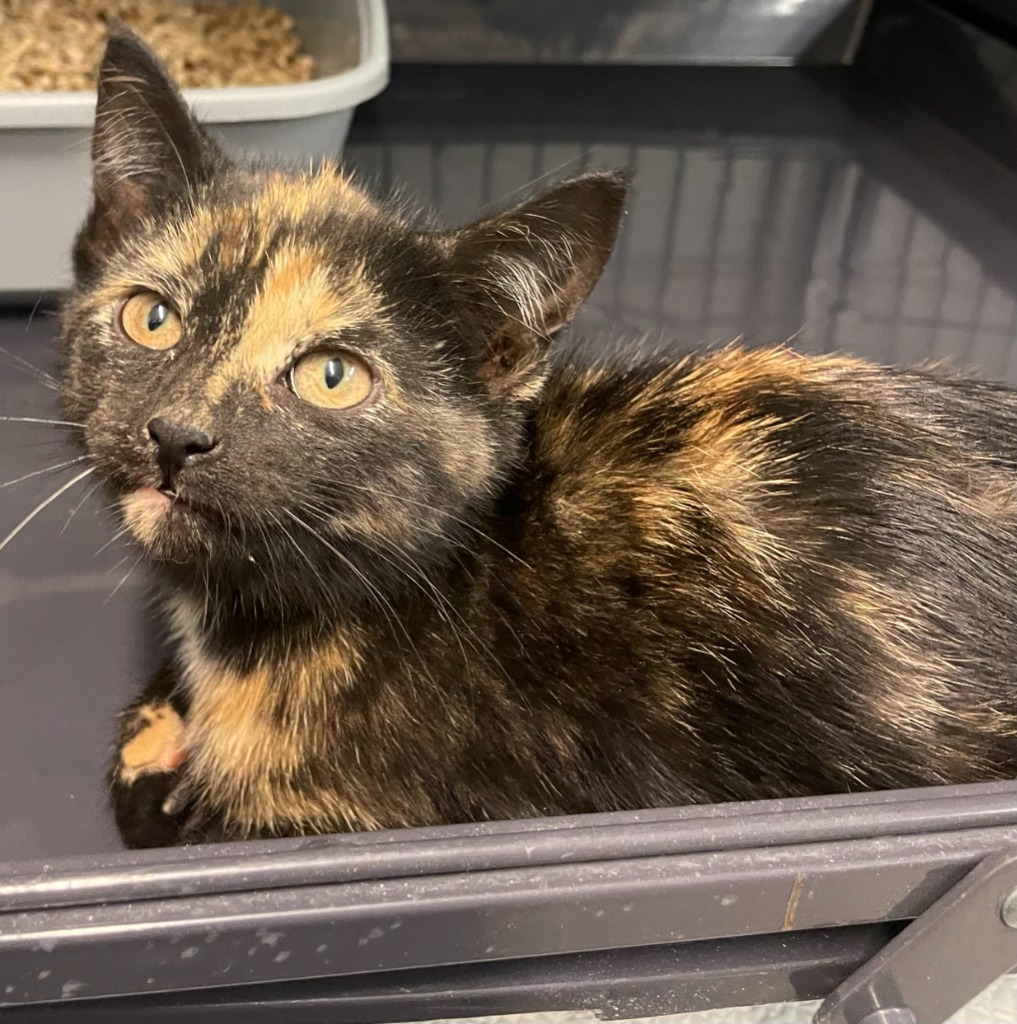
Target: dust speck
{"x": 189, "y": 952}
{"x": 269, "y": 938}
{"x": 71, "y": 988}
{"x": 375, "y": 933}
{"x": 321, "y": 948}
{"x": 43, "y": 975}
{"x": 281, "y": 956}
{"x": 727, "y": 901}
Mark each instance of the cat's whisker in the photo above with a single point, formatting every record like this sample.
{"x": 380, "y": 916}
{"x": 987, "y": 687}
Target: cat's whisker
{"x": 116, "y": 565}
{"x": 41, "y": 472}
{"x": 417, "y": 572}
{"x": 74, "y": 511}
{"x": 124, "y": 579}
{"x": 273, "y": 571}
{"x": 20, "y": 445}
{"x": 25, "y": 366}
{"x": 44, "y": 504}
{"x": 322, "y": 516}
{"x": 442, "y": 614}
{"x": 36, "y": 419}
{"x": 300, "y": 551}
{"x": 343, "y": 558}
{"x": 116, "y": 536}
{"x": 441, "y": 512}
{"x": 35, "y": 309}
{"x": 437, "y": 599}
{"x": 383, "y": 602}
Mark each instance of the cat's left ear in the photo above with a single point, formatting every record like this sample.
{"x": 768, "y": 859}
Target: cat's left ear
{"x": 147, "y": 148}
{"x": 525, "y": 272}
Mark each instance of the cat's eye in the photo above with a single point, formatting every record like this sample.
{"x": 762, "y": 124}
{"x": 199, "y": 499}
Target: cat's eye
{"x": 150, "y": 320}
{"x": 333, "y": 380}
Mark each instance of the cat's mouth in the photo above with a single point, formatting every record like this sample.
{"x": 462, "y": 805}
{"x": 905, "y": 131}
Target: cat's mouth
{"x": 158, "y": 517}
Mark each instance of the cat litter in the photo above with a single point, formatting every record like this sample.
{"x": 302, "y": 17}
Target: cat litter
{"x": 56, "y": 44}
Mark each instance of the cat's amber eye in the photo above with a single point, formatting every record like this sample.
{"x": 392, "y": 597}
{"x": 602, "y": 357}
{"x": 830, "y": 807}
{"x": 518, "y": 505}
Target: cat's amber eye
{"x": 333, "y": 380}
{"x": 150, "y": 320}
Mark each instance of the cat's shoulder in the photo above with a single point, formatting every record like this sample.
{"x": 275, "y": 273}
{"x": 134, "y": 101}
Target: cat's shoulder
{"x": 648, "y": 407}
{"x": 738, "y": 418}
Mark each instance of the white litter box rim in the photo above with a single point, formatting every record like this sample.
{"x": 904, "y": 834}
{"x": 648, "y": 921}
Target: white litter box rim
{"x": 234, "y": 103}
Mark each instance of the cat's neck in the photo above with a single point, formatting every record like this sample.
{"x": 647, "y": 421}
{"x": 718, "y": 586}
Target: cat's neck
{"x": 245, "y": 629}
{"x": 213, "y": 650}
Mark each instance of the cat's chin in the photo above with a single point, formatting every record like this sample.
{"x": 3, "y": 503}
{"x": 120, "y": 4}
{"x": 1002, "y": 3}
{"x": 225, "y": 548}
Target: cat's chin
{"x": 162, "y": 524}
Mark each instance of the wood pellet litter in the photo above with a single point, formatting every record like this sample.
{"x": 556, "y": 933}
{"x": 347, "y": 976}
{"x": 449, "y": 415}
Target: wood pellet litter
{"x": 56, "y": 45}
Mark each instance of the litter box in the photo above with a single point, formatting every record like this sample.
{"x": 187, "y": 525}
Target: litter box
{"x": 44, "y": 136}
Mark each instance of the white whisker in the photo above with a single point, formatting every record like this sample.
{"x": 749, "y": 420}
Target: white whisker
{"x": 33, "y": 419}
{"x": 116, "y": 536}
{"x": 440, "y": 512}
{"x": 31, "y": 317}
{"x": 49, "y": 501}
{"x": 74, "y": 511}
{"x": 125, "y": 578}
{"x": 24, "y": 365}
{"x": 40, "y": 472}
{"x": 383, "y": 603}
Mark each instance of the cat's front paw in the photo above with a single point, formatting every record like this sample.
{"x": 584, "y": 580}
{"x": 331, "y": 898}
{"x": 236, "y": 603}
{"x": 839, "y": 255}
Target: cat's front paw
{"x": 149, "y": 795}
{"x": 151, "y": 742}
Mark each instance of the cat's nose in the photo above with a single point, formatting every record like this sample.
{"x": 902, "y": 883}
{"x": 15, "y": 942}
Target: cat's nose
{"x": 177, "y": 446}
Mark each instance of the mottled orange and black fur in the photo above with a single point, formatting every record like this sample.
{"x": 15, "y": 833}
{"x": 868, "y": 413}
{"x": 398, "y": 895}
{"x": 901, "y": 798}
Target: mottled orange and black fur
{"x": 506, "y": 586}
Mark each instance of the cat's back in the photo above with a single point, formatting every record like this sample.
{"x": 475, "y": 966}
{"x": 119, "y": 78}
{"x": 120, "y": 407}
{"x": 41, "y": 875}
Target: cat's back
{"x": 763, "y": 427}
{"x": 758, "y": 536}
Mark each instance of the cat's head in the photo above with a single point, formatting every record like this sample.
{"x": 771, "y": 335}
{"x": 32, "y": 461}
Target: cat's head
{"x": 272, "y": 367}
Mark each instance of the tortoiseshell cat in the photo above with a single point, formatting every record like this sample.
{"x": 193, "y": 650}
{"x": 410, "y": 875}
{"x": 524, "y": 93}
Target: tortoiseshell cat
{"x": 415, "y": 573}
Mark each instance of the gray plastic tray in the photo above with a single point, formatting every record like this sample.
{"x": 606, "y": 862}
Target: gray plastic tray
{"x": 618, "y": 913}
{"x": 44, "y": 137}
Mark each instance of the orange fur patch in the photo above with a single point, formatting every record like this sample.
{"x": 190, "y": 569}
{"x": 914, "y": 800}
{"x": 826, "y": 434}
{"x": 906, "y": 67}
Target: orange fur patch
{"x": 298, "y": 302}
{"x": 143, "y": 512}
{"x": 157, "y": 747}
{"x": 240, "y": 755}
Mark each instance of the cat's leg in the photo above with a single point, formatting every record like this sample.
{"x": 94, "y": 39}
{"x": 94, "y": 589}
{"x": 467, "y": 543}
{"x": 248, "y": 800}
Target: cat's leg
{"x": 146, "y": 777}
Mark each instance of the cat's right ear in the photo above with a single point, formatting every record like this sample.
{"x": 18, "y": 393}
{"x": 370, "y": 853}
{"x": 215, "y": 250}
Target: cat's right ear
{"x": 523, "y": 273}
{"x": 147, "y": 148}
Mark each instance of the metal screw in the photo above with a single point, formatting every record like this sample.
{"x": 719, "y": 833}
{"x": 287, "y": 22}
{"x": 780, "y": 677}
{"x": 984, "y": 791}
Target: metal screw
{"x": 1009, "y": 911}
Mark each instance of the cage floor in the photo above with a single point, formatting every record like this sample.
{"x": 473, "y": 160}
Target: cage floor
{"x": 767, "y": 204}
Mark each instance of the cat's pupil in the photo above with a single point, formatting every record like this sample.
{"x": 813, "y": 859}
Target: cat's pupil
{"x": 333, "y": 373}
{"x": 157, "y": 316}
